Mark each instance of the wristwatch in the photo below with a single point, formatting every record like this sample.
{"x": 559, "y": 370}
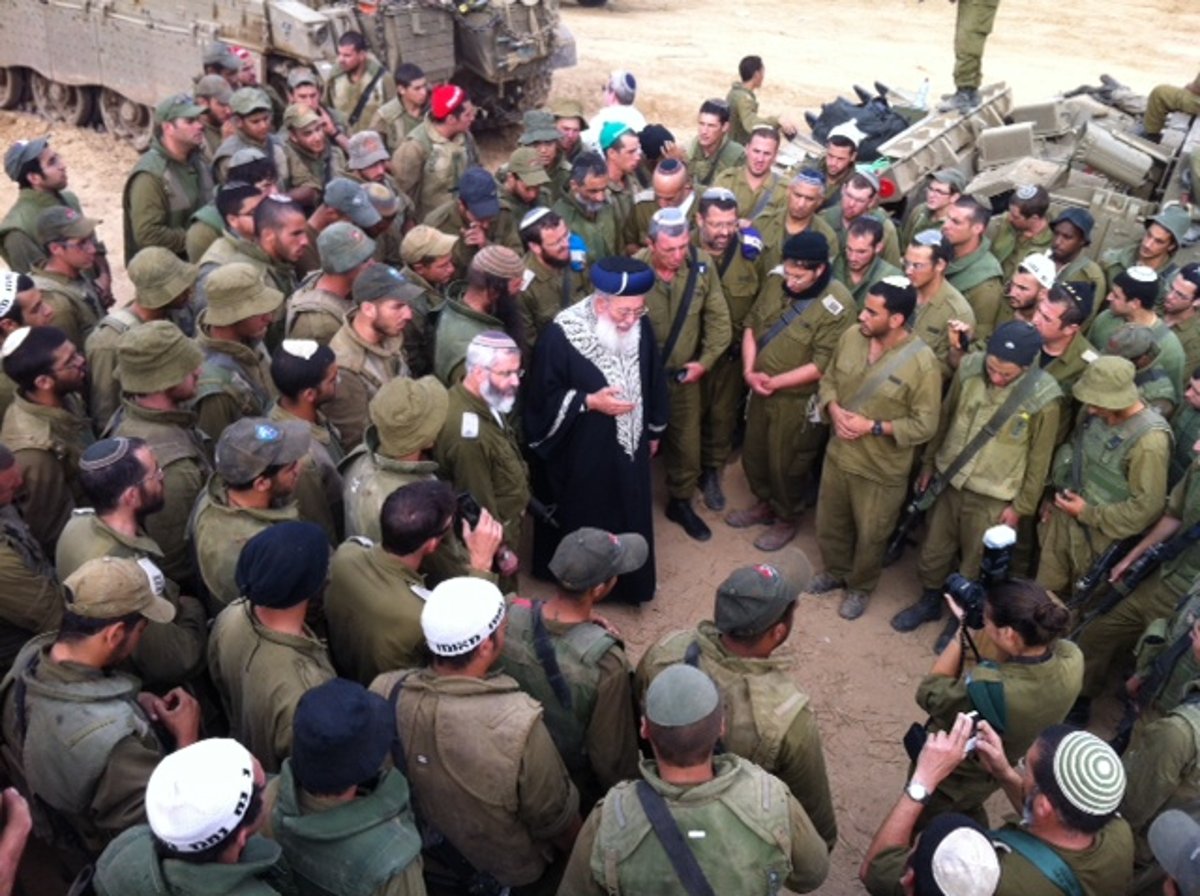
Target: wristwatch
{"x": 877, "y": 428}
{"x": 917, "y": 792}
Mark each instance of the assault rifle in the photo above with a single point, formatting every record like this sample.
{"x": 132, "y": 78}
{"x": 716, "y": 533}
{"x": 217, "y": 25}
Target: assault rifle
{"x": 914, "y": 511}
{"x": 1097, "y": 573}
{"x": 1155, "y": 680}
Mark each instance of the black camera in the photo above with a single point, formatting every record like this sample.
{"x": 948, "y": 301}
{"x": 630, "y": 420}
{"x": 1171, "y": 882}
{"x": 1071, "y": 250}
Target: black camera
{"x": 467, "y": 510}
{"x": 969, "y": 594}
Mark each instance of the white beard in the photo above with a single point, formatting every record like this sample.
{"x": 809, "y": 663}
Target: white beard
{"x": 496, "y": 400}
{"x": 613, "y": 340}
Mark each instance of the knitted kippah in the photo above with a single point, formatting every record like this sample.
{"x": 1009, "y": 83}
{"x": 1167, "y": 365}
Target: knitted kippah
{"x": 1089, "y": 773}
{"x": 104, "y": 453}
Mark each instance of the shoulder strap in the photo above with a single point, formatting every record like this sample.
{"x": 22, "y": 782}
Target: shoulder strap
{"x": 1016, "y": 398}
{"x": 1043, "y": 858}
{"x": 399, "y": 760}
{"x": 683, "y": 860}
{"x": 544, "y": 648}
{"x": 689, "y": 290}
{"x": 876, "y": 375}
{"x": 364, "y": 98}
{"x": 691, "y": 656}
{"x": 767, "y": 193}
{"x": 727, "y": 257}
{"x": 790, "y": 313}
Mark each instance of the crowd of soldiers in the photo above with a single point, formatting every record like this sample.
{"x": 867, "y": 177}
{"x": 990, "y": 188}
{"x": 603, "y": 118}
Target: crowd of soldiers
{"x": 261, "y": 521}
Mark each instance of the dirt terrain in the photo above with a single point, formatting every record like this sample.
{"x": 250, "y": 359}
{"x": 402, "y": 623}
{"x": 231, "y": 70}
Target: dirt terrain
{"x": 861, "y": 676}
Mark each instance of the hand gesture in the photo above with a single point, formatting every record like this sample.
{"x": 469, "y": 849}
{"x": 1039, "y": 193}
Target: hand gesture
{"x": 609, "y": 401}
{"x": 942, "y": 753}
{"x": 177, "y": 711}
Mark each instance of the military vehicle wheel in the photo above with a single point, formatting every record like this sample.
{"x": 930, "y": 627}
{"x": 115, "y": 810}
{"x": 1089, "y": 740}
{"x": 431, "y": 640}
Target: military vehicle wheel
{"x": 125, "y": 119}
{"x": 63, "y": 103}
{"x": 591, "y": 2}
{"x": 12, "y": 86}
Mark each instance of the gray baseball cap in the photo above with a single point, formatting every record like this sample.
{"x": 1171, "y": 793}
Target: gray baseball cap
{"x": 351, "y": 199}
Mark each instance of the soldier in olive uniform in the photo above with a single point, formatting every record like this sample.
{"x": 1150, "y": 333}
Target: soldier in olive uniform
{"x": 585, "y": 206}
{"x": 475, "y": 216}
{"x": 1137, "y": 345}
{"x": 65, "y": 276}
{"x": 159, "y": 369}
{"x": 743, "y": 104}
{"x": 760, "y": 191}
{"x": 860, "y": 196}
{"x": 78, "y": 735}
{"x": 344, "y": 825}
{"x": 972, "y": 25}
{"x": 21, "y": 306}
{"x": 1111, "y": 478}
{"x": 797, "y": 214}
{"x": 360, "y": 86}
{"x": 484, "y": 770}
{"x": 162, "y": 283}
{"x": 45, "y": 426}
{"x": 169, "y": 182}
{"x": 576, "y": 667}
{"x": 124, "y": 483}
{"x": 306, "y": 376}
{"x": 1181, "y": 314}
{"x": 524, "y": 184}
{"x": 214, "y": 93}
{"x": 691, "y": 323}
{"x": 434, "y": 154}
{"x": 318, "y": 308}
{"x": 974, "y": 271}
{"x": 400, "y": 115}
{"x": 789, "y": 338}
{"x": 1156, "y": 250}
{"x": 860, "y": 265}
{"x": 943, "y": 188}
{"x": 486, "y": 301}
{"x": 1072, "y": 233}
{"x": 477, "y": 449}
{"x": 714, "y": 149}
{"x": 1131, "y": 300}
{"x": 741, "y": 272}
{"x": 1002, "y": 478}
{"x": 31, "y": 597}
{"x": 257, "y": 465}
{"x": 552, "y": 281}
{"x": 732, "y": 799}
{"x": 770, "y": 721}
{"x": 1023, "y": 230}
{"x": 253, "y": 120}
{"x": 925, "y": 262}
{"x": 882, "y": 392}
{"x": 1185, "y": 425}
{"x": 311, "y": 162}
{"x": 428, "y": 265}
{"x": 262, "y": 655}
{"x": 235, "y": 379}
{"x": 377, "y": 589}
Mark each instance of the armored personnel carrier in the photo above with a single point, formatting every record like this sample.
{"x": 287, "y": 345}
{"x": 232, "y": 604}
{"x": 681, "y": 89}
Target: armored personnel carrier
{"x": 115, "y": 60}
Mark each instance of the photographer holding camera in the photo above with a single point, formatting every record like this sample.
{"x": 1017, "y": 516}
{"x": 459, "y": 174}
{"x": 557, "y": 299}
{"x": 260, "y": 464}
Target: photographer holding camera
{"x": 1028, "y": 688}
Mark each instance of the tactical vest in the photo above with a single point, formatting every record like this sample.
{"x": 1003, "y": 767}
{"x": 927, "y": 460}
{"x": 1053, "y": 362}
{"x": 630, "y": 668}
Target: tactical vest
{"x": 308, "y": 299}
{"x": 465, "y": 768}
{"x": 222, "y": 373}
{"x": 741, "y": 835}
{"x": 24, "y": 214}
{"x": 369, "y": 477}
{"x": 353, "y": 849}
{"x": 15, "y": 535}
{"x": 119, "y": 320}
{"x": 443, "y": 165}
{"x": 577, "y": 653}
{"x": 181, "y": 201}
{"x": 457, "y": 325}
{"x": 1105, "y": 453}
{"x": 998, "y": 468}
{"x": 367, "y": 364}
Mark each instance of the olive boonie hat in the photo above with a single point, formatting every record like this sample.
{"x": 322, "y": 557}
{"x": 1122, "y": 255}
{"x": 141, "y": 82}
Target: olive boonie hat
{"x": 590, "y": 557}
{"x": 1107, "y": 383}
{"x": 343, "y": 247}
{"x": 155, "y": 356}
{"x": 681, "y": 695}
{"x": 424, "y": 241}
{"x": 248, "y": 100}
{"x": 179, "y": 105}
{"x": 61, "y": 222}
{"x": 21, "y": 154}
{"x": 297, "y": 117}
{"x": 753, "y": 598}
{"x": 382, "y": 281}
{"x": 214, "y": 87}
{"x": 1175, "y": 220}
{"x": 112, "y": 587}
{"x": 1079, "y": 218}
{"x": 236, "y": 292}
{"x": 408, "y": 414}
{"x": 569, "y": 109}
{"x": 160, "y": 276}
{"x": 538, "y": 127}
{"x": 525, "y": 165}
{"x": 366, "y": 148}
{"x": 250, "y": 445}
{"x": 1133, "y": 342}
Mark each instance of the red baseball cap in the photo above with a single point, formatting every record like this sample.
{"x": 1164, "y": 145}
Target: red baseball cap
{"x": 447, "y": 99}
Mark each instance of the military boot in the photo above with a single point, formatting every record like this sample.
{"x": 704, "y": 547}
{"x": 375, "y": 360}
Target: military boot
{"x": 710, "y": 486}
{"x": 679, "y": 510}
{"x": 928, "y": 608}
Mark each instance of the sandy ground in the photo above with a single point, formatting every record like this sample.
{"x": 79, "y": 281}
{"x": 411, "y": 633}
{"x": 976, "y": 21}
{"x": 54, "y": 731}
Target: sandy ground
{"x": 861, "y": 676}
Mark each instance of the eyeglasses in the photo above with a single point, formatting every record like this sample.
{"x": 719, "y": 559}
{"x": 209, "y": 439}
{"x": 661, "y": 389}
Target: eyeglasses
{"x": 76, "y": 360}
{"x": 519, "y": 373}
{"x": 628, "y": 313}
{"x": 940, "y": 192}
{"x": 157, "y": 476}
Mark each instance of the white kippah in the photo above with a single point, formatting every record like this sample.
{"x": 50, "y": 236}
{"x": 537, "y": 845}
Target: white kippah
{"x": 533, "y": 216}
{"x": 196, "y": 796}
{"x": 8, "y": 290}
{"x": 897, "y": 280}
{"x": 1142, "y": 273}
{"x": 300, "y": 348}
{"x": 460, "y": 614}
{"x": 965, "y": 864}
{"x": 1042, "y": 268}
{"x": 1026, "y": 191}
{"x": 13, "y": 342}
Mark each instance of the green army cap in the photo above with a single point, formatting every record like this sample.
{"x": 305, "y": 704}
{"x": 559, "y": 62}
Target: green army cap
{"x": 297, "y": 117}
{"x": 112, "y": 587}
{"x": 525, "y": 165}
{"x": 681, "y": 695}
{"x": 952, "y": 177}
{"x": 569, "y": 109}
{"x": 1175, "y": 220}
{"x": 160, "y": 276}
{"x": 537, "y": 127}
{"x": 179, "y": 105}
{"x": 60, "y": 222}
{"x": 214, "y": 87}
{"x": 221, "y": 54}
{"x": 236, "y": 291}
{"x": 21, "y": 154}
{"x": 1107, "y": 383}
{"x": 753, "y": 598}
{"x": 343, "y": 247}
{"x": 424, "y": 241}
{"x": 154, "y": 357}
{"x": 248, "y": 100}
{"x": 382, "y": 281}
{"x": 1133, "y": 342}
{"x": 251, "y": 445}
{"x": 589, "y": 557}
{"x": 408, "y": 414}
{"x": 298, "y": 76}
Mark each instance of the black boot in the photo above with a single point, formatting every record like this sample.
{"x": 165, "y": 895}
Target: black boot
{"x": 928, "y": 608}
{"x": 710, "y": 486}
{"x": 679, "y": 510}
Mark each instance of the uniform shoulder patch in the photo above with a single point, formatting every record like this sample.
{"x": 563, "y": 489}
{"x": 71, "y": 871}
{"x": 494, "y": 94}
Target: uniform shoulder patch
{"x": 526, "y": 279}
{"x": 833, "y": 306}
{"x": 646, "y": 195}
{"x": 470, "y": 425}
{"x": 776, "y": 271}
{"x": 1089, "y": 356}
{"x": 362, "y": 541}
{"x": 421, "y": 592}
{"x": 84, "y": 511}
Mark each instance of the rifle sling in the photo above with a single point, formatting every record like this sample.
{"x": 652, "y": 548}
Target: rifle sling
{"x": 878, "y": 374}
{"x": 683, "y": 860}
{"x": 689, "y": 291}
{"x": 364, "y": 98}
